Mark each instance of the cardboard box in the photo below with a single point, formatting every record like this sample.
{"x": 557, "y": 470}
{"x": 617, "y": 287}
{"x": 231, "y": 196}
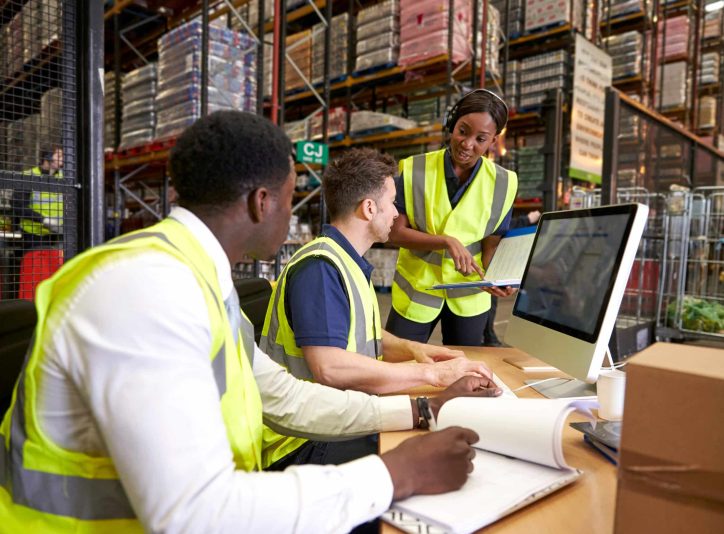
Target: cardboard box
{"x": 671, "y": 470}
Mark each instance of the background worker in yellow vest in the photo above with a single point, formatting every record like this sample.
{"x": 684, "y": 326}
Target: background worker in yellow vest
{"x": 140, "y": 403}
{"x": 40, "y": 213}
{"x": 455, "y": 205}
{"x": 323, "y": 322}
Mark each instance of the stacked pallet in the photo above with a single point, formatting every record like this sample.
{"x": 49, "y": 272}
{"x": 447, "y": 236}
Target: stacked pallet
{"x": 231, "y": 76}
{"x": 424, "y": 30}
{"x": 138, "y": 126}
{"x": 543, "y": 72}
{"x": 378, "y": 35}
{"x": 338, "y": 49}
{"x": 531, "y": 170}
{"x": 51, "y": 119}
{"x": 627, "y": 51}
{"x": 109, "y": 110}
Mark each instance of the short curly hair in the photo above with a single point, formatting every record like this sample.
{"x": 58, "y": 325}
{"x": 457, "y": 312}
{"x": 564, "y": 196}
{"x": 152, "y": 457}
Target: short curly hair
{"x": 225, "y": 155}
{"x": 357, "y": 174}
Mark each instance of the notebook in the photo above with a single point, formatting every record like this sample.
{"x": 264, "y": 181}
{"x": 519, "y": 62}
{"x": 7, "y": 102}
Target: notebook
{"x": 508, "y": 263}
{"x": 519, "y": 459}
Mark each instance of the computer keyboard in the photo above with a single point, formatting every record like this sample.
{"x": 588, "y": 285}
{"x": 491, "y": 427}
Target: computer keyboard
{"x": 507, "y": 392}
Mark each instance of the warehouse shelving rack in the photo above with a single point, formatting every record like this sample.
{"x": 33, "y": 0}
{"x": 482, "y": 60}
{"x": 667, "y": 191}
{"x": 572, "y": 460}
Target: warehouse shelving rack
{"x": 712, "y": 44}
{"x": 642, "y": 21}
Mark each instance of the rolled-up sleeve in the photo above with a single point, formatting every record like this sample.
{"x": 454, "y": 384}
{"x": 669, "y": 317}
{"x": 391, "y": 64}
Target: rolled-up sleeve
{"x": 305, "y": 409}
{"x": 152, "y": 396}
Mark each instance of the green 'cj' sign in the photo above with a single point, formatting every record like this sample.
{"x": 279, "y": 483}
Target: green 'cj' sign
{"x": 311, "y": 152}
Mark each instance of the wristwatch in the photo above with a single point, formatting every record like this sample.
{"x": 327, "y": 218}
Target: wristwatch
{"x": 424, "y": 413}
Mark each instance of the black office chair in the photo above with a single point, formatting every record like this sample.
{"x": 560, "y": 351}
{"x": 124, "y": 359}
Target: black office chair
{"x": 254, "y": 295}
{"x": 17, "y": 323}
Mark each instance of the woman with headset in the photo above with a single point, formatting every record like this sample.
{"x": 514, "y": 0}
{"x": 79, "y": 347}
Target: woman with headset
{"x": 455, "y": 205}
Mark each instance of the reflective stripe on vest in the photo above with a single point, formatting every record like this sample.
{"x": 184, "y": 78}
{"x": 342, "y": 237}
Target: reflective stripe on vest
{"x": 89, "y": 490}
{"x": 92, "y": 499}
{"x": 429, "y": 210}
{"x": 44, "y": 203}
{"x": 278, "y": 338}
{"x": 295, "y": 363}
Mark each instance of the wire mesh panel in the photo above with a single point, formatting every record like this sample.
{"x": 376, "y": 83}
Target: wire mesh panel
{"x": 641, "y": 297}
{"x": 700, "y": 309}
{"x": 38, "y": 170}
{"x": 673, "y": 269}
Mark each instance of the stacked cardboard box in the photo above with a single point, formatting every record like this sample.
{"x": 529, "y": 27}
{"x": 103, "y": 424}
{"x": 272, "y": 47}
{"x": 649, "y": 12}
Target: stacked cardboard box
{"x": 23, "y": 142}
{"x": 32, "y": 43}
{"x": 28, "y": 33}
{"x": 378, "y": 35}
{"x": 335, "y": 127}
{"x": 712, "y": 24}
{"x": 676, "y": 30}
{"x": 512, "y": 83}
{"x": 673, "y": 93}
{"x": 139, "y": 107}
{"x": 540, "y": 14}
{"x": 231, "y": 71}
{"x": 51, "y": 21}
{"x": 268, "y": 67}
{"x": 51, "y": 119}
{"x": 492, "y": 54}
{"x": 709, "y": 70}
{"x": 707, "y": 112}
{"x": 250, "y": 13}
{"x": 109, "y": 110}
{"x": 297, "y": 130}
{"x": 618, "y": 8}
{"x": 516, "y": 17}
{"x": 14, "y": 42}
{"x": 531, "y": 170}
{"x": 253, "y": 7}
{"x": 627, "y": 54}
{"x": 426, "y": 110}
{"x": 424, "y": 30}
{"x": 363, "y": 122}
{"x": 337, "y": 52}
{"x": 540, "y": 73}
{"x": 299, "y": 51}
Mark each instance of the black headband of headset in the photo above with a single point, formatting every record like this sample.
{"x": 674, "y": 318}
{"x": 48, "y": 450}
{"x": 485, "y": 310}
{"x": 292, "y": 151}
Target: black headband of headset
{"x": 448, "y": 124}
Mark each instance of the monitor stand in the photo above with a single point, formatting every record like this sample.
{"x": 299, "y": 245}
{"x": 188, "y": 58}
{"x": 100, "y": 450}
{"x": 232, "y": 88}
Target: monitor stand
{"x": 568, "y": 388}
{"x": 565, "y": 388}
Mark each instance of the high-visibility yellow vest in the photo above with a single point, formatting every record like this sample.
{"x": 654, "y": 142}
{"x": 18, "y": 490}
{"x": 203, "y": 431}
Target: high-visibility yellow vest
{"x": 480, "y": 211}
{"x": 46, "y": 488}
{"x": 44, "y": 203}
{"x": 277, "y": 338}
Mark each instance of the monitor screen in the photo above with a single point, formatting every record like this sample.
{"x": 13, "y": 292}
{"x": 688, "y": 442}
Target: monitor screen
{"x": 572, "y": 269}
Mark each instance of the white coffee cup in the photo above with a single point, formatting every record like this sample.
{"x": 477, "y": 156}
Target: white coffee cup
{"x": 611, "y": 386}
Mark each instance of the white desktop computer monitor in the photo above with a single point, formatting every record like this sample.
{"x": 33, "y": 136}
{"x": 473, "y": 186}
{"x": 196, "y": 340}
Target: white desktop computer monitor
{"x": 572, "y": 288}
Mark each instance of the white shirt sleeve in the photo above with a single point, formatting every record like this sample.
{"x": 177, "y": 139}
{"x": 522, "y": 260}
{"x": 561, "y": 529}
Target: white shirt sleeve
{"x": 134, "y": 342}
{"x": 305, "y": 409}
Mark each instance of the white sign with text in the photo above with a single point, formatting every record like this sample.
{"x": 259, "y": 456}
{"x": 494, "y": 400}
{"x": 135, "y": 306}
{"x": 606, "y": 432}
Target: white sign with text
{"x": 591, "y": 75}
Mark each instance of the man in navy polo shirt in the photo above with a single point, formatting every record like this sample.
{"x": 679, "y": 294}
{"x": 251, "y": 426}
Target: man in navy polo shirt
{"x": 323, "y": 322}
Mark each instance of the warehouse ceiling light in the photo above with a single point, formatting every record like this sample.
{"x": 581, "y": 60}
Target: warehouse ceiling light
{"x": 714, "y": 6}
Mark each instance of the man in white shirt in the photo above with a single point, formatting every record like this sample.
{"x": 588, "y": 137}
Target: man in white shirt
{"x": 140, "y": 402}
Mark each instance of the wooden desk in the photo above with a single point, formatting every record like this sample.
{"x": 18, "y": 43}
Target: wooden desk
{"x": 587, "y": 505}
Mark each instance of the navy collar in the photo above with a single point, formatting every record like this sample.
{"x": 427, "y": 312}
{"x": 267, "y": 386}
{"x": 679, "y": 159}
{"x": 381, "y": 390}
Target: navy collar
{"x": 455, "y": 188}
{"x": 338, "y": 237}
